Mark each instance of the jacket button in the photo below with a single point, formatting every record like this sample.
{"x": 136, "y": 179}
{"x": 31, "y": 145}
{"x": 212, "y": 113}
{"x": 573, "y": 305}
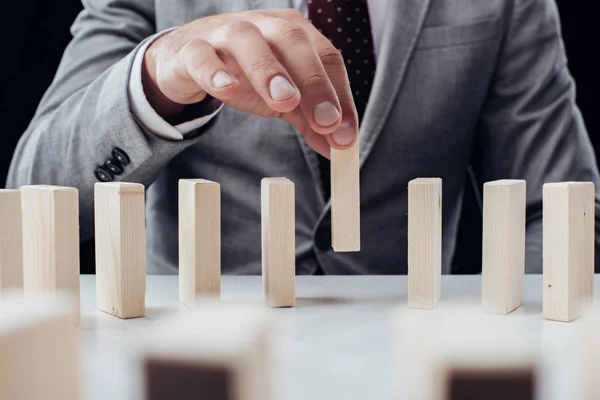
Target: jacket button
{"x": 113, "y": 166}
{"x": 103, "y": 174}
{"x": 121, "y": 156}
{"x": 323, "y": 237}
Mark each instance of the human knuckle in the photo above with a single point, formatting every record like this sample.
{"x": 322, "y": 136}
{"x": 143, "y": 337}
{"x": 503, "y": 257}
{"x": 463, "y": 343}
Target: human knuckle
{"x": 264, "y": 62}
{"x": 240, "y": 28}
{"x": 314, "y": 79}
{"x": 292, "y": 14}
{"x": 331, "y": 56}
{"x": 292, "y": 34}
{"x": 194, "y": 46}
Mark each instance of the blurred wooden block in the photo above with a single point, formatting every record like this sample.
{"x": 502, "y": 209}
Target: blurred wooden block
{"x": 458, "y": 354}
{"x": 120, "y": 249}
{"x": 491, "y": 383}
{"x": 503, "y": 266}
{"x": 217, "y": 352}
{"x": 278, "y": 241}
{"x": 199, "y": 240}
{"x": 587, "y": 354}
{"x": 11, "y": 241}
{"x": 568, "y": 250}
{"x": 424, "y": 242}
{"x": 345, "y": 199}
{"x": 38, "y": 348}
{"x": 51, "y": 239}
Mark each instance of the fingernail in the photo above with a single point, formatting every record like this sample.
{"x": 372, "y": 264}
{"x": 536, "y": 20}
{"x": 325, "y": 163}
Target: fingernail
{"x": 326, "y": 114}
{"x": 281, "y": 89}
{"x": 344, "y": 135}
{"x": 222, "y": 79}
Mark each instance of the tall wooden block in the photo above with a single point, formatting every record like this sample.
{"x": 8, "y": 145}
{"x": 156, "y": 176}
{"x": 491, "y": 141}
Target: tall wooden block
{"x": 51, "y": 239}
{"x": 424, "y": 242}
{"x": 278, "y": 242}
{"x": 345, "y": 199}
{"x": 568, "y": 250}
{"x": 38, "y": 348}
{"x": 120, "y": 249}
{"x": 219, "y": 353}
{"x": 503, "y": 266}
{"x": 11, "y": 241}
{"x": 199, "y": 240}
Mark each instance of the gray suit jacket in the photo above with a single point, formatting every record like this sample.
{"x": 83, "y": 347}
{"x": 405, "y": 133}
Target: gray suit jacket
{"x": 458, "y": 81}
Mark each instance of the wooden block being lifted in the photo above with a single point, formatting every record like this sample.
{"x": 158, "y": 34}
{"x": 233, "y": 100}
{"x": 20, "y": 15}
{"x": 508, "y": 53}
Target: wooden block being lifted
{"x": 120, "y": 249}
{"x": 424, "y": 242}
{"x": 51, "y": 239}
{"x": 11, "y": 241}
{"x": 503, "y": 266}
{"x": 568, "y": 250}
{"x": 345, "y": 199}
{"x": 278, "y": 241}
{"x": 38, "y": 348}
{"x": 217, "y": 352}
{"x": 199, "y": 240}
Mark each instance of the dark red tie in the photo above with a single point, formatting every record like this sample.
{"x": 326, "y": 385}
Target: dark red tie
{"x": 347, "y": 24}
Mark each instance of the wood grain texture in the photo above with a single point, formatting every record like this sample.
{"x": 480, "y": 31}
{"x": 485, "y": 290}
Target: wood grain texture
{"x": 11, "y": 241}
{"x": 51, "y": 240}
{"x": 568, "y": 250}
{"x": 278, "y": 241}
{"x": 220, "y": 351}
{"x": 199, "y": 240}
{"x": 120, "y": 249}
{"x": 424, "y": 242}
{"x": 38, "y": 348}
{"x": 503, "y": 261}
{"x": 345, "y": 199}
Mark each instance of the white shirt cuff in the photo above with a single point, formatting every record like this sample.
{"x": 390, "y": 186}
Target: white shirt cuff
{"x": 143, "y": 111}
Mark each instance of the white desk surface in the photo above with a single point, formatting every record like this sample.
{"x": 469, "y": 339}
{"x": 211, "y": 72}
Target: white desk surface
{"x": 335, "y": 344}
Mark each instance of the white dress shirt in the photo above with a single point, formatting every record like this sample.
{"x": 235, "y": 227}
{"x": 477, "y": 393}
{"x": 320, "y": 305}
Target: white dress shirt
{"x": 143, "y": 111}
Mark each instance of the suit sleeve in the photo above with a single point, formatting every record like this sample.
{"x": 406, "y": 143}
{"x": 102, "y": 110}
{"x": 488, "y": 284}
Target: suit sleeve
{"x": 531, "y": 127}
{"x": 85, "y": 113}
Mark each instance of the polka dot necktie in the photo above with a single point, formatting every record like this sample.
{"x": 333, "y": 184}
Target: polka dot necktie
{"x": 346, "y": 23}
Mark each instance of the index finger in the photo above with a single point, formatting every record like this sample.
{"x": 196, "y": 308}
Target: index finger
{"x": 335, "y": 70}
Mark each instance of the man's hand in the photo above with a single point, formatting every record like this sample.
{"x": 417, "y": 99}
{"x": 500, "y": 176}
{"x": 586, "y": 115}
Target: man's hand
{"x": 272, "y": 63}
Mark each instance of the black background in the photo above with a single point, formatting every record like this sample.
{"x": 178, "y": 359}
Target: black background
{"x": 37, "y": 31}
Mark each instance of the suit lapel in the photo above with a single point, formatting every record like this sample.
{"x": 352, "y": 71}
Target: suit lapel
{"x": 403, "y": 24}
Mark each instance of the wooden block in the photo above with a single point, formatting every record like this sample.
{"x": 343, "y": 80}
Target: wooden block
{"x": 38, "y": 348}
{"x": 278, "y": 241}
{"x": 460, "y": 354}
{"x": 120, "y": 249}
{"x": 502, "y": 365}
{"x": 218, "y": 352}
{"x": 514, "y": 383}
{"x": 568, "y": 250}
{"x": 51, "y": 239}
{"x": 586, "y": 350}
{"x": 345, "y": 199}
{"x": 503, "y": 265}
{"x": 424, "y": 242}
{"x": 199, "y": 240}
{"x": 11, "y": 241}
